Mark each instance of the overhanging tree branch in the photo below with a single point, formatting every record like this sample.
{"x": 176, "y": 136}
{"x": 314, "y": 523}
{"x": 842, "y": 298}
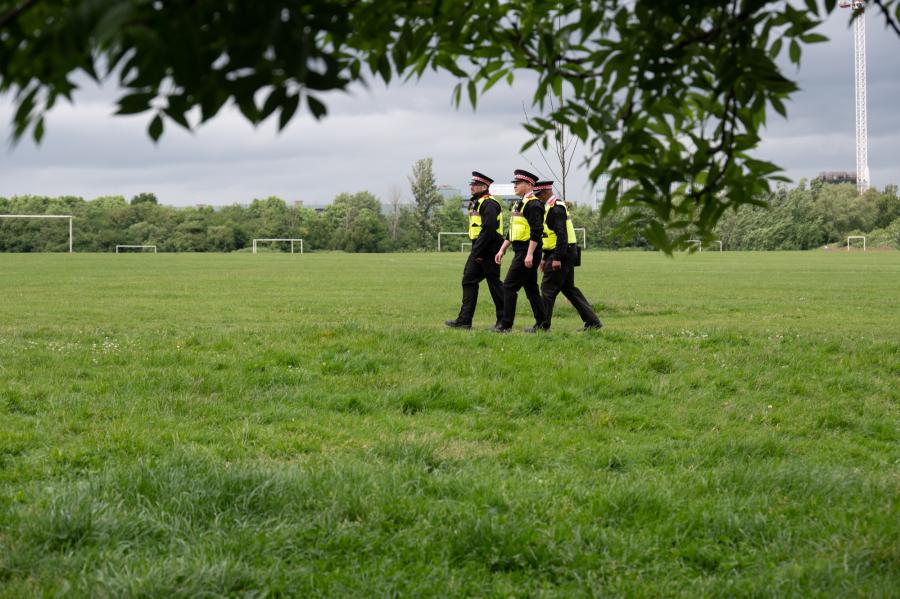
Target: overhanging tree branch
{"x": 15, "y": 13}
{"x": 887, "y": 16}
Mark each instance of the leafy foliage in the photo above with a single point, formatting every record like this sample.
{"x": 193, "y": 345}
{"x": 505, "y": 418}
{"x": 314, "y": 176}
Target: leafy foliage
{"x": 668, "y": 95}
{"x": 800, "y": 218}
{"x": 805, "y": 217}
{"x": 423, "y": 186}
{"x": 352, "y": 223}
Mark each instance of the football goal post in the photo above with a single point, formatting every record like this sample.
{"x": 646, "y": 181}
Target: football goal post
{"x": 856, "y": 237}
{"x": 720, "y": 245}
{"x": 583, "y": 237}
{"x": 68, "y": 216}
{"x": 442, "y": 233}
{"x": 462, "y": 246}
{"x": 293, "y": 241}
{"x": 698, "y": 242}
{"x": 119, "y": 248}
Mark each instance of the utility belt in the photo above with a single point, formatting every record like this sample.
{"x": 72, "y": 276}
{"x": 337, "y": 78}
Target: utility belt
{"x": 522, "y": 246}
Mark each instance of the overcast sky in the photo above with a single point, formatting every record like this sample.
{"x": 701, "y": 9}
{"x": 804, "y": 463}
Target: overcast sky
{"x": 371, "y": 139}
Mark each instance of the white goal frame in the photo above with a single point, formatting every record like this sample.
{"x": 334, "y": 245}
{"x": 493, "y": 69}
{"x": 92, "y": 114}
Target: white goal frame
{"x": 449, "y": 233}
{"x": 699, "y": 244}
{"x": 863, "y": 237}
{"x": 583, "y": 236}
{"x": 462, "y": 246}
{"x": 280, "y": 239}
{"x": 135, "y": 246}
{"x": 720, "y": 245}
{"x": 68, "y": 216}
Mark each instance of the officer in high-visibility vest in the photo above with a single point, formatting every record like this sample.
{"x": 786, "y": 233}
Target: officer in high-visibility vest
{"x": 561, "y": 256}
{"x": 526, "y": 227}
{"x": 486, "y": 233}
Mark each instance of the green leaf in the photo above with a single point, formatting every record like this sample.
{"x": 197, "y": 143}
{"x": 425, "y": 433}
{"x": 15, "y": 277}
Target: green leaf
{"x": 775, "y": 48}
{"x": 39, "y": 130}
{"x": 795, "y": 52}
{"x": 287, "y": 110}
{"x": 494, "y": 79}
{"x": 156, "y": 127}
{"x": 275, "y": 99}
{"x": 813, "y": 38}
{"x": 135, "y": 103}
{"x": 316, "y": 107}
{"x": 556, "y": 83}
{"x": 778, "y": 105}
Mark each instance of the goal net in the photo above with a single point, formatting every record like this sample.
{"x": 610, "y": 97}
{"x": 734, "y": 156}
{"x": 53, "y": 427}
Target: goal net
{"x": 852, "y": 237}
{"x": 447, "y": 234}
{"x": 135, "y": 249}
{"x": 51, "y": 216}
{"x": 295, "y": 242}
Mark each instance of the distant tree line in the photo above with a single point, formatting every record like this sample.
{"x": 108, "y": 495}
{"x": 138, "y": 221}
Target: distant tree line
{"x": 353, "y": 222}
{"x": 805, "y": 217}
{"x": 808, "y": 216}
{"x": 814, "y": 215}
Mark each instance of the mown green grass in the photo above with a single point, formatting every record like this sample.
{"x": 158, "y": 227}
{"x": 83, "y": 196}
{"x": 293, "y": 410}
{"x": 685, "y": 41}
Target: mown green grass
{"x": 237, "y": 425}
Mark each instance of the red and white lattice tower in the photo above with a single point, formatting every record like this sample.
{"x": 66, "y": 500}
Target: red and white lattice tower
{"x": 862, "y": 136}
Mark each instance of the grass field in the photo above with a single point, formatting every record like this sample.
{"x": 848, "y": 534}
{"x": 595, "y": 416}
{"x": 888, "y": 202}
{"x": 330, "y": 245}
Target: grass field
{"x": 238, "y": 425}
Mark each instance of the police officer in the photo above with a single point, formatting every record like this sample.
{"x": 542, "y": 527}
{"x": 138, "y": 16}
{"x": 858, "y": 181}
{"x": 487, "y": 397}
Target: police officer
{"x": 486, "y": 233}
{"x": 525, "y": 231}
{"x": 560, "y": 258}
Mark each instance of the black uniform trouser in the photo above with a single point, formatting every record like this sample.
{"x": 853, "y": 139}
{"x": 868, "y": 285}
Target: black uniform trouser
{"x": 517, "y": 277}
{"x": 473, "y": 274}
{"x": 563, "y": 281}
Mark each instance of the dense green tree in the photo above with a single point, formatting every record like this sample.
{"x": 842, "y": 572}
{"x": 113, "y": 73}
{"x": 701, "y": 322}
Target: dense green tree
{"x": 452, "y": 214}
{"x": 423, "y": 186}
{"x": 144, "y": 198}
{"x": 356, "y": 223}
{"x": 408, "y": 232}
{"x": 144, "y": 233}
{"x": 670, "y": 95}
{"x": 221, "y": 238}
{"x": 269, "y": 218}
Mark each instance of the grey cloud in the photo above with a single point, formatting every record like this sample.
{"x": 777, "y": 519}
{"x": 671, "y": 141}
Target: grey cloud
{"x": 371, "y": 138}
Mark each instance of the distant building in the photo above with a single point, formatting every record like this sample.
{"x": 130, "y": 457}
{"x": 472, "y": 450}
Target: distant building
{"x": 835, "y": 177}
{"x": 504, "y": 192}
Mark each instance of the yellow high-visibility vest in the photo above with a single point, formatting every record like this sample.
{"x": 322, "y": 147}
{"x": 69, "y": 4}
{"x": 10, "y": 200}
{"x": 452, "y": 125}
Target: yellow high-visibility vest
{"x": 475, "y": 217}
{"x": 550, "y": 234}
{"x": 519, "y": 229}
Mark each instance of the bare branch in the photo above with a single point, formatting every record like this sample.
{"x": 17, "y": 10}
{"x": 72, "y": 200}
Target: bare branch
{"x": 887, "y": 16}
{"x": 540, "y": 151}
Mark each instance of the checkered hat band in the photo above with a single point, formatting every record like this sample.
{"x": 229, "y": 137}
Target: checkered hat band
{"x": 543, "y": 187}
{"x": 480, "y": 180}
{"x": 526, "y": 179}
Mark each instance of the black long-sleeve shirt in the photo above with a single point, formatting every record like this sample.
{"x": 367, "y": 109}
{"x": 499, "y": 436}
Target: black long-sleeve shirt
{"x": 488, "y": 241}
{"x": 534, "y": 214}
{"x": 556, "y": 222}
